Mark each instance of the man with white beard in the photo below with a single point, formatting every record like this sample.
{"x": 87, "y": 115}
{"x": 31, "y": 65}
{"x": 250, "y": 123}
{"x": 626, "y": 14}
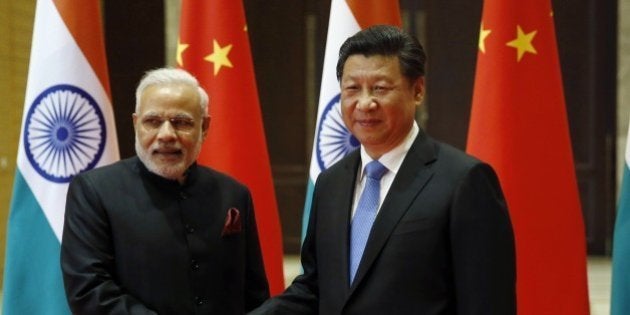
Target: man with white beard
{"x": 157, "y": 233}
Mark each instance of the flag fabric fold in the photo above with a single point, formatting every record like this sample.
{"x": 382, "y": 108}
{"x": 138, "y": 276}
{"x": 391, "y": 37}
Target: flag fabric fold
{"x": 214, "y": 46}
{"x": 67, "y": 128}
{"x": 519, "y": 125}
{"x": 620, "y": 292}
{"x": 332, "y": 140}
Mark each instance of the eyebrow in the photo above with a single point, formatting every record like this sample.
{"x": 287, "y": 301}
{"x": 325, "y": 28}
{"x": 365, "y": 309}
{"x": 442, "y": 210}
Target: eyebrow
{"x": 177, "y": 115}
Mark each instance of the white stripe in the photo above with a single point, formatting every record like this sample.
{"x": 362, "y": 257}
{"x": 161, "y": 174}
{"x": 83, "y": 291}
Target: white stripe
{"x": 56, "y": 59}
{"x": 341, "y": 25}
{"x": 628, "y": 148}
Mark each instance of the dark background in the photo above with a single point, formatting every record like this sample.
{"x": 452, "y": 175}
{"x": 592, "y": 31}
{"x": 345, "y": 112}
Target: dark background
{"x": 288, "y": 40}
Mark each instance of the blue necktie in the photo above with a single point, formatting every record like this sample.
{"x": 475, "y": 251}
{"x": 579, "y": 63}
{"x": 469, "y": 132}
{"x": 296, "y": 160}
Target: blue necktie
{"x": 365, "y": 214}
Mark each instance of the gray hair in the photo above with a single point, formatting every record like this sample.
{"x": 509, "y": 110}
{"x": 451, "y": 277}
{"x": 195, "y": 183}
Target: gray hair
{"x": 164, "y": 76}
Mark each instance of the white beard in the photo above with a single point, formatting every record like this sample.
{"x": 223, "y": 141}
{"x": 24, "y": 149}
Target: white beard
{"x": 173, "y": 171}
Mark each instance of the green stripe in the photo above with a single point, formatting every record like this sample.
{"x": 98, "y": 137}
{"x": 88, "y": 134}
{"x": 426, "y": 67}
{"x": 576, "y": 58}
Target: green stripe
{"x": 307, "y": 207}
{"x": 620, "y": 297}
{"x": 32, "y": 272}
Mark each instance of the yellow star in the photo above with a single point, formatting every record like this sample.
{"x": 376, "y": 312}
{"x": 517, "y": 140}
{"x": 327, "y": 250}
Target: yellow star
{"x": 219, "y": 56}
{"x": 245, "y": 28}
{"x": 180, "y": 51}
{"x": 523, "y": 42}
{"x": 483, "y": 33}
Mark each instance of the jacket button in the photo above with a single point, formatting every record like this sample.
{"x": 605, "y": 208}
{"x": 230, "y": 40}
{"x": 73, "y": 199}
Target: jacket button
{"x": 189, "y": 229}
{"x": 198, "y": 300}
{"x": 194, "y": 264}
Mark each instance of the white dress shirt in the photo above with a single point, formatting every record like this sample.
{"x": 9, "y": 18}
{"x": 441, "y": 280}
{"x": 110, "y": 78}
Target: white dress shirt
{"x": 392, "y": 160}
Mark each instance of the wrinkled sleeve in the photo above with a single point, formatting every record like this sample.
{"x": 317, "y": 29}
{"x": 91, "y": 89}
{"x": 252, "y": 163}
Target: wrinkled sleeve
{"x": 256, "y": 288}
{"x": 484, "y": 260}
{"x": 87, "y": 256}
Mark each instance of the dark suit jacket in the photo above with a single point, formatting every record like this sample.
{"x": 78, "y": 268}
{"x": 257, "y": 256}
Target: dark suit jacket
{"x": 136, "y": 243}
{"x": 442, "y": 242}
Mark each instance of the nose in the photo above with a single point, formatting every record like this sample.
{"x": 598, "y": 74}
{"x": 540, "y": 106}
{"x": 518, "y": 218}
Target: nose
{"x": 166, "y": 132}
{"x": 366, "y": 102}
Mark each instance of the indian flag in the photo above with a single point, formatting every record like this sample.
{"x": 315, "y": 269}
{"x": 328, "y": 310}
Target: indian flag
{"x": 67, "y": 128}
{"x": 332, "y": 140}
{"x": 620, "y": 297}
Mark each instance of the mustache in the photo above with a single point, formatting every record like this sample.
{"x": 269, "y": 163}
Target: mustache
{"x": 165, "y": 147}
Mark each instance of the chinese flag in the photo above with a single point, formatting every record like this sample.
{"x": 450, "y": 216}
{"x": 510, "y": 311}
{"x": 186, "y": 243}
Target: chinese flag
{"x": 214, "y": 47}
{"x": 519, "y": 125}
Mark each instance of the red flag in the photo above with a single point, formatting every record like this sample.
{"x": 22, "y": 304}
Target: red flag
{"x": 519, "y": 125}
{"x": 214, "y": 47}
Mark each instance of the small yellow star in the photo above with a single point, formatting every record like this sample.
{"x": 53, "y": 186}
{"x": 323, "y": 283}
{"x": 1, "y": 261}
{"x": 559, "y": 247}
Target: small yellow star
{"x": 219, "y": 56}
{"x": 180, "y": 51}
{"x": 245, "y": 28}
{"x": 483, "y": 33}
{"x": 523, "y": 42}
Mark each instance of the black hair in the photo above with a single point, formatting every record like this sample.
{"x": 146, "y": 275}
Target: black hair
{"x": 385, "y": 40}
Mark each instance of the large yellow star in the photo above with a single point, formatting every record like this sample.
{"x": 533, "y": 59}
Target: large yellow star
{"x": 180, "y": 50}
{"x": 483, "y": 33}
{"x": 523, "y": 42}
{"x": 219, "y": 56}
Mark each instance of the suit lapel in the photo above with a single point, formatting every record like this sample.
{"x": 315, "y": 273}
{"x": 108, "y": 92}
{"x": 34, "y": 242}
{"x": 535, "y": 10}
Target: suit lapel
{"x": 343, "y": 189}
{"x": 409, "y": 181}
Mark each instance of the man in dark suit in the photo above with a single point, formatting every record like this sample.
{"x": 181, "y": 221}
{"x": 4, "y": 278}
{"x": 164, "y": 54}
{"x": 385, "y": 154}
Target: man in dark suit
{"x": 440, "y": 239}
{"x": 157, "y": 233}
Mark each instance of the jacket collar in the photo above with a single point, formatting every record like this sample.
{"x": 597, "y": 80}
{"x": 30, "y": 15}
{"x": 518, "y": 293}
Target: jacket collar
{"x": 414, "y": 174}
{"x": 191, "y": 176}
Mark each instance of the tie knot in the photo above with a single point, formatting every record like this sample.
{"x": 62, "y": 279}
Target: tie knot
{"x": 375, "y": 170}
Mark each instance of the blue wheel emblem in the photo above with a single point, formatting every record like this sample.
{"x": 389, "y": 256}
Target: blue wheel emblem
{"x": 64, "y": 133}
{"x": 334, "y": 140}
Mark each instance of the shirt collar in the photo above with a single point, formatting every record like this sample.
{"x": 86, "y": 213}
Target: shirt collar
{"x": 191, "y": 175}
{"x": 394, "y": 158}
